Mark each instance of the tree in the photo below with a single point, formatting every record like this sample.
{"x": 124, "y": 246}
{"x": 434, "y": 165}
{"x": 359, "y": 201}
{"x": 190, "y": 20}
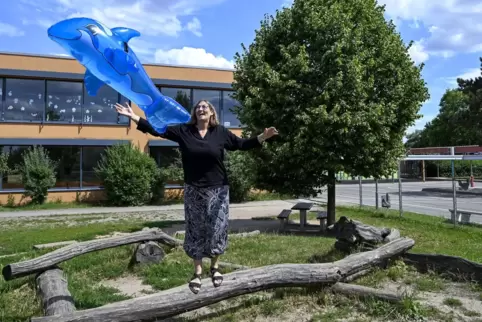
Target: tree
{"x": 3, "y": 163}
{"x": 337, "y": 81}
{"x": 38, "y": 173}
{"x": 183, "y": 99}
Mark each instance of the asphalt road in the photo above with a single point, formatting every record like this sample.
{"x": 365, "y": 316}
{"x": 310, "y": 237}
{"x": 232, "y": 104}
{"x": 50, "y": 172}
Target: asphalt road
{"x": 413, "y": 198}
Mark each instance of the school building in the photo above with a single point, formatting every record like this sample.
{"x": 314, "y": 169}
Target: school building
{"x": 44, "y": 102}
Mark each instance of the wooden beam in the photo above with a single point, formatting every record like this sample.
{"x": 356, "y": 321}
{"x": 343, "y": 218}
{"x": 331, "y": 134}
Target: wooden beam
{"x": 54, "y": 293}
{"x": 180, "y": 299}
{"x": 365, "y": 292}
{"x": 60, "y": 255}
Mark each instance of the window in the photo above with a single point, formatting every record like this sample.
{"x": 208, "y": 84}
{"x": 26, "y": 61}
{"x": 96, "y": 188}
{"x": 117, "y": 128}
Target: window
{"x": 1, "y": 99}
{"x": 210, "y": 95}
{"x": 101, "y": 107}
{"x": 13, "y": 180}
{"x": 24, "y": 100}
{"x": 180, "y": 95}
{"x": 64, "y": 102}
{"x": 90, "y": 157}
{"x": 168, "y": 158}
{"x": 229, "y": 118}
{"x": 123, "y": 119}
{"x": 67, "y": 159}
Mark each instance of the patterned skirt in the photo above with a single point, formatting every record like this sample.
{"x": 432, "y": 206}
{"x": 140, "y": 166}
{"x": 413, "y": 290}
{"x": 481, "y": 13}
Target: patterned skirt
{"x": 207, "y": 215}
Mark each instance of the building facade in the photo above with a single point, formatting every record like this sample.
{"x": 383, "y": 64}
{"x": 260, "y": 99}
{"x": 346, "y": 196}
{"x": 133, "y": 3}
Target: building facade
{"x": 43, "y": 101}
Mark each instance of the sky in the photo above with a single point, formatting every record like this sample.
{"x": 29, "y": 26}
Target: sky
{"x": 446, "y": 33}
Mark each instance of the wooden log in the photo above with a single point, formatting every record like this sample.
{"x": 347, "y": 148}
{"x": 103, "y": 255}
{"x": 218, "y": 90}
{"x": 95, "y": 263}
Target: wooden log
{"x": 60, "y": 255}
{"x": 365, "y": 292}
{"x": 180, "y": 299}
{"x": 148, "y": 253}
{"x": 356, "y": 232}
{"x": 53, "y": 245}
{"x": 455, "y": 267}
{"x": 246, "y": 234}
{"x": 394, "y": 234}
{"x": 54, "y": 294}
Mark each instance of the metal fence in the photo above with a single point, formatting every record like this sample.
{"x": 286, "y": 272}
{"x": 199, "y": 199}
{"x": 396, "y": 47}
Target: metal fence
{"x": 458, "y": 198}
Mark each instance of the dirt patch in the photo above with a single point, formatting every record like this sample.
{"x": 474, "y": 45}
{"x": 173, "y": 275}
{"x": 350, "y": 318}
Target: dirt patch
{"x": 129, "y": 285}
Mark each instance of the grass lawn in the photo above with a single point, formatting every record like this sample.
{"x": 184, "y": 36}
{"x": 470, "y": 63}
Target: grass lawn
{"x": 88, "y": 273}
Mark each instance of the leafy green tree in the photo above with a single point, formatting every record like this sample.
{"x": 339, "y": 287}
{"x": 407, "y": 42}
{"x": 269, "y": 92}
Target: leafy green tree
{"x": 183, "y": 99}
{"x": 38, "y": 174}
{"x": 337, "y": 81}
{"x": 3, "y": 163}
{"x": 473, "y": 89}
{"x": 129, "y": 176}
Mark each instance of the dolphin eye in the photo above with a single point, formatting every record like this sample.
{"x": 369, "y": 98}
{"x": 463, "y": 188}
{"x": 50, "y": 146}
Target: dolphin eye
{"x": 93, "y": 29}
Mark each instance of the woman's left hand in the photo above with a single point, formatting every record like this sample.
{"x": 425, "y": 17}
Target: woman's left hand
{"x": 270, "y": 132}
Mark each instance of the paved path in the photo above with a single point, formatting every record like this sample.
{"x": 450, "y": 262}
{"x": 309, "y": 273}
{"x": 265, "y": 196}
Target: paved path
{"x": 413, "y": 198}
{"x": 237, "y": 211}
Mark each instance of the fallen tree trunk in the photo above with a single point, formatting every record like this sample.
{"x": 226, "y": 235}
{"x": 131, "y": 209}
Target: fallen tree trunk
{"x": 60, "y": 255}
{"x": 352, "y": 234}
{"x": 148, "y": 253}
{"x": 457, "y": 268}
{"x": 180, "y": 299}
{"x": 365, "y": 292}
{"x": 246, "y": 234}
{"x": 54, "y": 293}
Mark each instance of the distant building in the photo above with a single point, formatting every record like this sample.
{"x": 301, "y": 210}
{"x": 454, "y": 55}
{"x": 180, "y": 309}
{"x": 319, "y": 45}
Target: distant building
{"x": 43, "y": 102}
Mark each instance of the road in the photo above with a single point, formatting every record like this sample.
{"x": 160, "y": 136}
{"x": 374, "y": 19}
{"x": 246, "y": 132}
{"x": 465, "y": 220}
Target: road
{"x": 413, "y": 198}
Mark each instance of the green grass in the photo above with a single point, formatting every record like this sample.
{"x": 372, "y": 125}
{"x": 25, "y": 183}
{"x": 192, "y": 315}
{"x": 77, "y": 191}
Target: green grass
{"x": 18, "y": 301}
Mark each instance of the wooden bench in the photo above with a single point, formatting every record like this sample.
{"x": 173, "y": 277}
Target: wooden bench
{"x": 283, "y": 217}
{"x": 463, "y": 216}
{"x": 322, "y": 216}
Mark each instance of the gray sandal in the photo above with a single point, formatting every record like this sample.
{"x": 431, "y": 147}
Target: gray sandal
{"x": 195, "y": 283}
{"x": 216, "y": 277}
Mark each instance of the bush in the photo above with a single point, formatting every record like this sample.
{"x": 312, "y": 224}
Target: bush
{"x": 3, "y": 163}
{"x": 240, "y": 175}
{"x": 462, "y": 168}
{"x": 37, "y": 171}
{"x": 129, "y": 176}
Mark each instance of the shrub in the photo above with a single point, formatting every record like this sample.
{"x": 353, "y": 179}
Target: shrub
{"x": 174, "y": 172}
{"x": 129, "y": 176}
{"x": 37, "y": 171}
{"x": 240, "y": 175}
{"x": 3, "y": 163}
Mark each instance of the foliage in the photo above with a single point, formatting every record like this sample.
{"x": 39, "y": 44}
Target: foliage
{"x": 3, "y": 163}
{"x": 239, "y": 166}
{"x": 184, "y": 100}
{"x": 38, "y": 174}
{"x": 462, "y": 168}
{"x": 450, "y": 127}
{"x": 173, "y": 172}
{"x": 129, "y": 176}
{"x": 337, "y": 81}
{"x": 459, "y": 121}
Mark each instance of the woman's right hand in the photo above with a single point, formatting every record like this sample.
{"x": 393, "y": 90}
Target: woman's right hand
{"x": 126, "y": 111}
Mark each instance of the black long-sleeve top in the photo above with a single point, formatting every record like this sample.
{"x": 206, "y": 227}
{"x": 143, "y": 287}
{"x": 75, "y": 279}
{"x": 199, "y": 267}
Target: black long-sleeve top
{"x": 202, "y": 158}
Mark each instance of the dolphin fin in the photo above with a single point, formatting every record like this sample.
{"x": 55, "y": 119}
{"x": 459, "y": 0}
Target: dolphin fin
{"x": 125, "y": 34}
{"x": 92, "y": 83}
{"x": 120, "y": 60}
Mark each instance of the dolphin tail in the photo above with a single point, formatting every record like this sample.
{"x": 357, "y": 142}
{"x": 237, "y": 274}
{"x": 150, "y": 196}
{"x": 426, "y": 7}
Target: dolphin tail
{"x": 164, "y": 112}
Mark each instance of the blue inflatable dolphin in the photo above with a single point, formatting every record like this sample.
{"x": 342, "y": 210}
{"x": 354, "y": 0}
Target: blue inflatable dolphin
{"x": 106, "y": 55}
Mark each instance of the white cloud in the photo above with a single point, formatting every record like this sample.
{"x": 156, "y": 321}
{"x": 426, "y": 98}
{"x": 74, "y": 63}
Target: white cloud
{"x": 194, "y": 26}
{"x": 467, "y": 74}
{"x": 149, "y": 17}
{"x": 9, "y": 30}
{"x": 287, "y": 3}
{"x": 454, "y": 25}
{"x": 418, "y": 53}
{"x": 189, "y": 56}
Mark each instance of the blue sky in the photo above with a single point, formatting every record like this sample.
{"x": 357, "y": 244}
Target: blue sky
{"x": 209, "y": 32}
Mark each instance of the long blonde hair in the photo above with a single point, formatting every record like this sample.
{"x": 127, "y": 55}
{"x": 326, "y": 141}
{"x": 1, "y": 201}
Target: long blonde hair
{"x": 213, "y": 120}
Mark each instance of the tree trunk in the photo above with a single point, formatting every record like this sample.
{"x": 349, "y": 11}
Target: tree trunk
{"x": 180, "y": 299}
{"x": 331, "y": 204}
{"x": 60, "y": 255}
{"x": 54, "y": 293}
{"x": 148, "y": 253}
{"x": 457, "y": 268}
{"x": 365, "y": 292}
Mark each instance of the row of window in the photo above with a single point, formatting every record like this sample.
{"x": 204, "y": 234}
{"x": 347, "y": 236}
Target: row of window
{"x": 34, "y": 100}
{"x": 75, "y": 165}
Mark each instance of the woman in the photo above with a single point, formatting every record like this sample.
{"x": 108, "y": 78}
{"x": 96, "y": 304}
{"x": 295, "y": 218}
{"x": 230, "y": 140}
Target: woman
{"x": 202, "y": 142}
